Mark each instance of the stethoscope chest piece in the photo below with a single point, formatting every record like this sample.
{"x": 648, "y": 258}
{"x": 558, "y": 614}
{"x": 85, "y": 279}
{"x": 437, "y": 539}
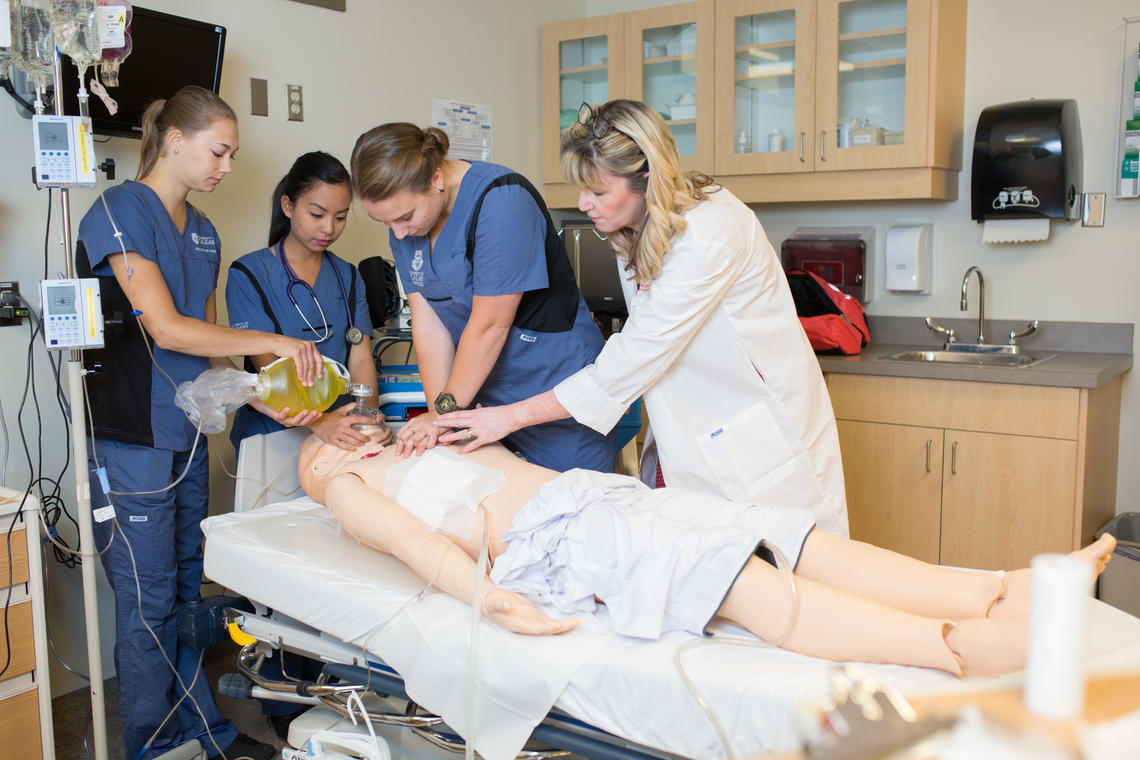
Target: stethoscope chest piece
{"x": 354, "y": 335}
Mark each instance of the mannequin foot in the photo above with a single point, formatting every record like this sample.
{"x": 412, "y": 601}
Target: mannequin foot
{"x": 1013, "y": 601}
{"x": 986, "y": 648}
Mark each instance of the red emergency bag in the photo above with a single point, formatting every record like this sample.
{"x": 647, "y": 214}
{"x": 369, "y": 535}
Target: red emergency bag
{"x": 833, "y": 320}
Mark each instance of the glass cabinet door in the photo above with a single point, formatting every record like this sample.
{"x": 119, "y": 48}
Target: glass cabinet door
{"x": 670, "y": 69}
{"x": 764, "y": 86}
{"x": 582, "y": 62}
{"x": 871, "y": 111}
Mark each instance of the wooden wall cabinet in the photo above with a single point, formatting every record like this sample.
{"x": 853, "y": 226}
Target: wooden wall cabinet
{"x": 796, "y": 100}
{"x": 976, "y": 474}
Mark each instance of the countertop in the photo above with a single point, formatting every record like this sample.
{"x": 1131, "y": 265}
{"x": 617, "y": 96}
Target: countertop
{"x": 1105, "y": 352}
{"x": 1068, "y": 369}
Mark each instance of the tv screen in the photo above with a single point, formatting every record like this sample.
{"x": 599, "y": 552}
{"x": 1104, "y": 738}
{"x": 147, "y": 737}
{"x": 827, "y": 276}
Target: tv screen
{"x": 168, "y": 52}
{"x": 595, "y": 267}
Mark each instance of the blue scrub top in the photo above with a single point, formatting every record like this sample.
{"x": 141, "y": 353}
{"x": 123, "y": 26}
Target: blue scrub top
{"x": 509, "y": 257}
{"x": 189, "y": 262}
{"x": 247, "y": 311}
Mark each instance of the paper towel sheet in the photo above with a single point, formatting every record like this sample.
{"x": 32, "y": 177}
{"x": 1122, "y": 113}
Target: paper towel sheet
{"x": 1014, "y": 230}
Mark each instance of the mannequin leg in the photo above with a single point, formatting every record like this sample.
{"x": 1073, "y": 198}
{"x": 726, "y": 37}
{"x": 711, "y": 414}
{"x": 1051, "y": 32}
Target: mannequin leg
{"x": 834, "y": 624}
{"x": 837, "y": 625}
{"x": 924, "y": 589}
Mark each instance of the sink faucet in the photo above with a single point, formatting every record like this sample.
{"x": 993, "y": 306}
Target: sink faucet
{"x": 981, "y": 301}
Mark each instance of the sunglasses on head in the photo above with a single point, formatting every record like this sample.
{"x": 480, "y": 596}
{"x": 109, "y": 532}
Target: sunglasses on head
{"x": 598, "y": 125}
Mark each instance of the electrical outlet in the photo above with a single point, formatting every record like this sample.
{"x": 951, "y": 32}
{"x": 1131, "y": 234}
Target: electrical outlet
{"x": 12, "y": 309}
{"x": 294, "y": 102}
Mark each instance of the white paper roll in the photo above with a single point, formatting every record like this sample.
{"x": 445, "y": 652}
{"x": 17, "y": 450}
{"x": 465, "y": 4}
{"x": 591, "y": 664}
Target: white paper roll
{"x": 1055, "y": 668}
{"x": 1014, "y": 230}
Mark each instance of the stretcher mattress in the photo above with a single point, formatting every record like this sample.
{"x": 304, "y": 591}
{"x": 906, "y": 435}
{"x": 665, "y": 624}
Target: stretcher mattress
{"x": 293, "y": 558}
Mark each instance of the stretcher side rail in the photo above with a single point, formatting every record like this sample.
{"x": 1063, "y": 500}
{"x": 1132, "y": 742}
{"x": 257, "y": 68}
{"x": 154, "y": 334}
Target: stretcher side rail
{"x": 360, "y": 673}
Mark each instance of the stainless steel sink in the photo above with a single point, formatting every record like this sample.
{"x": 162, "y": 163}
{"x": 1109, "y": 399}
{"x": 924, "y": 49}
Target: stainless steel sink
{"x": 970, "y": 357}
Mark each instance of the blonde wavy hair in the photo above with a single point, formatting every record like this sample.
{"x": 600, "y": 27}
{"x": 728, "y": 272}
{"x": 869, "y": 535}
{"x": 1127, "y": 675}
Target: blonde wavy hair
{"x": 627, "y": 138}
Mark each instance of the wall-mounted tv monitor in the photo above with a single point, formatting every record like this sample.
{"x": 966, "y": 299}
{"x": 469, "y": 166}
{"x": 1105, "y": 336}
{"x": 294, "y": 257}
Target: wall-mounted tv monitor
{"x": 168, "y": 52}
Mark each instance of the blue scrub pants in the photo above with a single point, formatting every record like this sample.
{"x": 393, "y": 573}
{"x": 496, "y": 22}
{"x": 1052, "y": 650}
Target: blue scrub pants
{"x": 166, "y": 542}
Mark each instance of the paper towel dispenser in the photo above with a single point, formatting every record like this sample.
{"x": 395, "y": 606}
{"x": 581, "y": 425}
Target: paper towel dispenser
{"x": 1027, "y": 161}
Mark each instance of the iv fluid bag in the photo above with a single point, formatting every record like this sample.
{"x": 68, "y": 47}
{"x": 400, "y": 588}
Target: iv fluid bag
{"x": 8, "y": 41}
{"x": 35, "y": 46}
{"x": 216, "y": 393}
{"x": 77, "y": 32}
{"x": 115, "y": 33}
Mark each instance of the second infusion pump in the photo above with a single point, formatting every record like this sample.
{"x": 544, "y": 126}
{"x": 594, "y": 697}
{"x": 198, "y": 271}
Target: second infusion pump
{"x": 65, "y": 151}
{"x": 72, "y": 313}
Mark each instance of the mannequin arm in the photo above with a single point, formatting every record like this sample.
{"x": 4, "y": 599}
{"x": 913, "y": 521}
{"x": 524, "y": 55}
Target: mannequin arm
{"x": 384, "y": 525}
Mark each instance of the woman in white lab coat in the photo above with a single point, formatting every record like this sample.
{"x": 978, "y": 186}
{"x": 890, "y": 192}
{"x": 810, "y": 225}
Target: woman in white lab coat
{"x": 736, "y": 401}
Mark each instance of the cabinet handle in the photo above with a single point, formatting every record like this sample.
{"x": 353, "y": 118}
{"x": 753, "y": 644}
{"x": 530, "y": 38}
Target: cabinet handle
{"x": 928, "y": 442}
{"x": 803, "y": 135}
{"x": 822, "y": 132}
{"x": 954, "y": 458}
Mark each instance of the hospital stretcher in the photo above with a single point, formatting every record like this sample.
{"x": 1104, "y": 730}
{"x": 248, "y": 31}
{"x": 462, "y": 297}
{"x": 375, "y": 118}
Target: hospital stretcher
{"x": 317, "y": 592}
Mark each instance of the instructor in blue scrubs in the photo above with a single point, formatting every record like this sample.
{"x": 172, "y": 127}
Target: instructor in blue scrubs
{"x": 496, "y": 314}
{"x": 157, "y": 260}
{"x": 296, "y": 286}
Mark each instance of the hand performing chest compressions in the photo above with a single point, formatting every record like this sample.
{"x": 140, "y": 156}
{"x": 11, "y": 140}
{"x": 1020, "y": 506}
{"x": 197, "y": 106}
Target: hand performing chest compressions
{"x": 854, "y": 601}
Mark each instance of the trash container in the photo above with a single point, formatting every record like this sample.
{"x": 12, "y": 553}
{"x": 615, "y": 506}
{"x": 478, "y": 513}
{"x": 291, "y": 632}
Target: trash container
{"x": 1120, "y": 583}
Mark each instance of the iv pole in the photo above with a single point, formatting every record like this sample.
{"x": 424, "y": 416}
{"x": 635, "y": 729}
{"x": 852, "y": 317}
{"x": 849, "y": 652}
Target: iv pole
{"x": 82, "y": 480}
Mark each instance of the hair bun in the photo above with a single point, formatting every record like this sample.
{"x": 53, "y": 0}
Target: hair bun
{"x": 434, "y": 137}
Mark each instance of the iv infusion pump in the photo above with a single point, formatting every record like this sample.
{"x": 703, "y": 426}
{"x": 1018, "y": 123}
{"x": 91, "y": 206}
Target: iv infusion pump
{"x": 65, "y": 151}
{"x": 72, "y": 313}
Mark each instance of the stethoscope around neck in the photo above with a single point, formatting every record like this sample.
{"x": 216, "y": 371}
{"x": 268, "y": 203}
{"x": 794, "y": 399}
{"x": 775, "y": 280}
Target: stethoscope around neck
{"x": 353, "y": 335}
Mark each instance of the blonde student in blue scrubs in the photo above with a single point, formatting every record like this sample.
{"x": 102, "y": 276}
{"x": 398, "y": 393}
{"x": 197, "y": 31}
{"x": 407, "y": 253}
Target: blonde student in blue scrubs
{"x": 296, "y": 286}
{"x": 157, "y": 260}
{"x": 496, "y": 313}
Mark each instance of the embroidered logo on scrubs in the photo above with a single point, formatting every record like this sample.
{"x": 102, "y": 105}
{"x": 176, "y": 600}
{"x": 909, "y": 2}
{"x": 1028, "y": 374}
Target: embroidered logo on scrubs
{"x": 138, "y": 518}
{"x": 528, "y": 338}
{"x": 417, "y": 268}
{"x": 204, "y": 243}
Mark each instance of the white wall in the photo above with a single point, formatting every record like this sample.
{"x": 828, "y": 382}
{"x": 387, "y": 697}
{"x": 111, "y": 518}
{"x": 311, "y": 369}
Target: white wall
{"x": 380, "y": 61}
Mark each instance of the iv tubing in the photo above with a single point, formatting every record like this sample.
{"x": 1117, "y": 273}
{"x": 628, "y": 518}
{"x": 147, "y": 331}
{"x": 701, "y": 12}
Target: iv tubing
{"x": 476, "y": 619}
{"x": 786, "y": 570}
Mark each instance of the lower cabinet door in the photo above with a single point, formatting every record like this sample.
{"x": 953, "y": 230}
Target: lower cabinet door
{"x": 20, "y": 726}
{"x": 893, "y": 476}
{"x": 1006, "y": 498}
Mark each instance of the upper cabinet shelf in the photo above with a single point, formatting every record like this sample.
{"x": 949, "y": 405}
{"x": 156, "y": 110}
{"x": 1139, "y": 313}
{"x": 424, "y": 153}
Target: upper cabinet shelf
{"x": 782, "y": 100}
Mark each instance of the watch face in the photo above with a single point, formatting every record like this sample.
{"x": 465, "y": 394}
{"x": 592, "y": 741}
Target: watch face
{"x": 445, "y": 403}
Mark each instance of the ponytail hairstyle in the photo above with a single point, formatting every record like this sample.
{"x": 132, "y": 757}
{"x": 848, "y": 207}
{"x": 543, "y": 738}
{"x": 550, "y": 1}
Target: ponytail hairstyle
{"x": 307, "y": 171}
{"x": 395, "y": 157}
{"x": 626, "y": 138}
{"x": 190, "y": 110}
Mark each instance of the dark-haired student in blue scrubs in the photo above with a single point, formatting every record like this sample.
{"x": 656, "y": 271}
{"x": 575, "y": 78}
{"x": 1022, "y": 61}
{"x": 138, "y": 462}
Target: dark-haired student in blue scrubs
{"x": 496, "y": 314}
{"x": 298, "y": 287}
{"x": 157, "y": 259}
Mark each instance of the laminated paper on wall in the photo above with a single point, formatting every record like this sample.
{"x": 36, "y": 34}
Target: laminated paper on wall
{"x": 1014, "y": 230}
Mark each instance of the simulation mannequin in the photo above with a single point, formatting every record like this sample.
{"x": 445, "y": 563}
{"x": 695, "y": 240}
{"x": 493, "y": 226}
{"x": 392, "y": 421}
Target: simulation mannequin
{"x": 542, "y": 525}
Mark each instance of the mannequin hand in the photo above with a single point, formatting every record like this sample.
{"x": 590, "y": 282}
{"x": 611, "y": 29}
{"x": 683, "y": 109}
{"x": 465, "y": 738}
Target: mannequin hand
{"x": 518, "y": 614}
{"x": 285, "y": 417}
{"x": 418, "y": 434}
{"x": 335, "y": 428}
{"x": 304, "y": 354}
{"x": 476, "y": 427}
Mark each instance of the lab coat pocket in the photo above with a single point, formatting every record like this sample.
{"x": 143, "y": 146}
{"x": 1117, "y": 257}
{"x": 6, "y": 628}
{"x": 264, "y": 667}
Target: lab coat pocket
{"x": 756, "y": 456}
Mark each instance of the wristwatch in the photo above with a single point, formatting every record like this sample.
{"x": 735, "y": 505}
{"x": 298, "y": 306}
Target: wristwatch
{"x": 445, "y": 403}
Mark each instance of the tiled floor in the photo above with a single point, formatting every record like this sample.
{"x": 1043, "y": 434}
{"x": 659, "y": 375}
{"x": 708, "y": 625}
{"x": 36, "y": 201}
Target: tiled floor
{"x": 71, "y": 713}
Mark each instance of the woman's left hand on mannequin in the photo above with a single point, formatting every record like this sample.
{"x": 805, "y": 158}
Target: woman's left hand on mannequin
{"x": 417, "y": 435}
{"x": 475, "y": 427}
{"x": 335, "y": 428}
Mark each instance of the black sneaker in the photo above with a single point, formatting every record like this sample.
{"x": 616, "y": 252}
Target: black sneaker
{"x": 248, "y": 747}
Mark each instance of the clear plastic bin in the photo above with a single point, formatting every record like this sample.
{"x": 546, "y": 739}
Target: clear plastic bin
{"x": 1120, "y": 583}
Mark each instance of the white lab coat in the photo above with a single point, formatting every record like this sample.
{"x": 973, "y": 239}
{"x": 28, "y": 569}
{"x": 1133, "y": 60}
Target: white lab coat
{"x": 734, "y": 393}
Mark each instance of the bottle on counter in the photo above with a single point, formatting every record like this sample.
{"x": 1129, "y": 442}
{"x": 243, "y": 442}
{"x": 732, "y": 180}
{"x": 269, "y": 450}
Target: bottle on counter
{"x": 775, "y": 140}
